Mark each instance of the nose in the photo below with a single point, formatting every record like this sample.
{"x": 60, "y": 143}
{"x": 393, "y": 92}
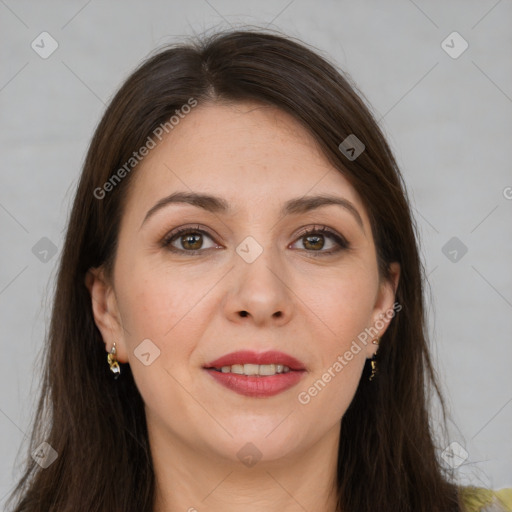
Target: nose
{"x": 258, "y": 292}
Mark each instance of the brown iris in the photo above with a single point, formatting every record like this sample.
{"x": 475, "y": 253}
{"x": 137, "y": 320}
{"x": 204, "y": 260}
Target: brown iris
{"x": 192, "y": 241}
{"x": 314, "y": 242}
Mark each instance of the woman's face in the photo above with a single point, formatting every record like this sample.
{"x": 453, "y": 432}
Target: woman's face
{"x": 245, "y": 276}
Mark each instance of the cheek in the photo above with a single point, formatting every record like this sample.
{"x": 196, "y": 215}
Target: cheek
{"x": 161, "y": 307}
{"x": 344, "y": 302}
{"x": 329, "y": 389}
{"x": 156, "y": 300}
{"x": 169, "y": 306}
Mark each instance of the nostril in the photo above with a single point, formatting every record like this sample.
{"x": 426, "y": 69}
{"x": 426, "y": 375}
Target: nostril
{"x": 243, "y": 313}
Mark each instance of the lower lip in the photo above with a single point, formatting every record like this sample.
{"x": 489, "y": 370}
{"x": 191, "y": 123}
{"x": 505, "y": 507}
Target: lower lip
{"x": 258, "y": 387}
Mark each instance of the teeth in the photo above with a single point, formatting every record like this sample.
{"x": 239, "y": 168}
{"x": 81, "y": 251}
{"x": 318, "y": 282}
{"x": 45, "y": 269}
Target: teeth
{"x": 255, "y": 369}
{"x": 237, "y": 368}
{"x": 266, "y": 369}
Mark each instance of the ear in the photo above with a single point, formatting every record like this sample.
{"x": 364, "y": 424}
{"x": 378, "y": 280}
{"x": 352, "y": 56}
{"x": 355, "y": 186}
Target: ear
{"x": 105, "y": 312}
{"x": 385, "y": 308}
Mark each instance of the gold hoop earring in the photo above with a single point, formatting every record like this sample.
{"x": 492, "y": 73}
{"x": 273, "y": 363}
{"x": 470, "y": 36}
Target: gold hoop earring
{"x": 373, "y": 361}
{"x": 112, "y": 361}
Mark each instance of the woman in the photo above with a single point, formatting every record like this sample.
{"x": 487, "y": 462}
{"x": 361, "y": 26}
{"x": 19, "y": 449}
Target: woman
{"x": 238, "y": 321}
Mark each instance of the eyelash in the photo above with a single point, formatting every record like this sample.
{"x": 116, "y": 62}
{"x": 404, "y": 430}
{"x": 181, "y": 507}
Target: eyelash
{"x": 323, "y": 230}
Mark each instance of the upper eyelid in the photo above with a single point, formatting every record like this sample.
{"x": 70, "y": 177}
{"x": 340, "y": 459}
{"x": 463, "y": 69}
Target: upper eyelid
{"x": 186, "y": 229}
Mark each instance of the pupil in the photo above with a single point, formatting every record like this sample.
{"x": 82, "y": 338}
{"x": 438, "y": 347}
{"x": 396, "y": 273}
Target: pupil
{"x": 316, "y": 240}
{"x": 189, "y": 241}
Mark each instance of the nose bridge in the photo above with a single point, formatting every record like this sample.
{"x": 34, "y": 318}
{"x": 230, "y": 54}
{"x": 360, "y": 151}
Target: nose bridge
{"x": 259, "y": 264}
{"x": 260, "y": 288}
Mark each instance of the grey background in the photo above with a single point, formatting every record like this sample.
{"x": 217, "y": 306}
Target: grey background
{"x": 448, "y": 120}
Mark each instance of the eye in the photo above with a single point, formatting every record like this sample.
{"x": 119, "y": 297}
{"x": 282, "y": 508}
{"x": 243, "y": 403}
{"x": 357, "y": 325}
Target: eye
{"x": 187, "y": 239}
{"x": 314, "y": 241}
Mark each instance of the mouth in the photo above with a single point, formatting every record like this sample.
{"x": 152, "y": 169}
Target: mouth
{"x": 256, "y": 363}
{"x": 257, "y": 370}
{"x": 257, "y": 374}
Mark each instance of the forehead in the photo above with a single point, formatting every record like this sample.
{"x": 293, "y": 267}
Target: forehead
{"x": 244, "y": 152}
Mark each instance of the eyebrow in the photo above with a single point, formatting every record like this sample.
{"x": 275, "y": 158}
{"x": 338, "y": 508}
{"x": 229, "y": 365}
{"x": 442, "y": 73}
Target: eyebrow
{"x": 216, "y": 204}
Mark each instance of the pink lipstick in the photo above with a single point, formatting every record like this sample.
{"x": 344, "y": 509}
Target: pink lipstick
{"x": 256, "y": 374}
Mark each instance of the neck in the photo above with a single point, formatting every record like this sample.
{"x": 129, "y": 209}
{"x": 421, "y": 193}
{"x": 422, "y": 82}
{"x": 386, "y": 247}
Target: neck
{"x": 193, "y": 479}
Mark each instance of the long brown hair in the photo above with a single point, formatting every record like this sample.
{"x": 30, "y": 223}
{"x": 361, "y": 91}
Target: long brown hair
{"x": 387, "y": 454}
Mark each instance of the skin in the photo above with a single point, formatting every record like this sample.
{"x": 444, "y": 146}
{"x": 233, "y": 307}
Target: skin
{"x": 189, "y": 305}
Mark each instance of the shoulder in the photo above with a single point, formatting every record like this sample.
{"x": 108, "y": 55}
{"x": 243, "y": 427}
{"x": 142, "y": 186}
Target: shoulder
{"x": 479, "y": 499}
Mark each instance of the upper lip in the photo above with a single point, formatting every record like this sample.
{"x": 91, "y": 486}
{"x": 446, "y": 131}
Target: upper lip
{"x": 250, "y": 357}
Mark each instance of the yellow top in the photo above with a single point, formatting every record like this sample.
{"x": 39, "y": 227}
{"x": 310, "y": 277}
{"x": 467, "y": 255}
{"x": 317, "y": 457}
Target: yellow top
{"x": 479, "y": 499}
